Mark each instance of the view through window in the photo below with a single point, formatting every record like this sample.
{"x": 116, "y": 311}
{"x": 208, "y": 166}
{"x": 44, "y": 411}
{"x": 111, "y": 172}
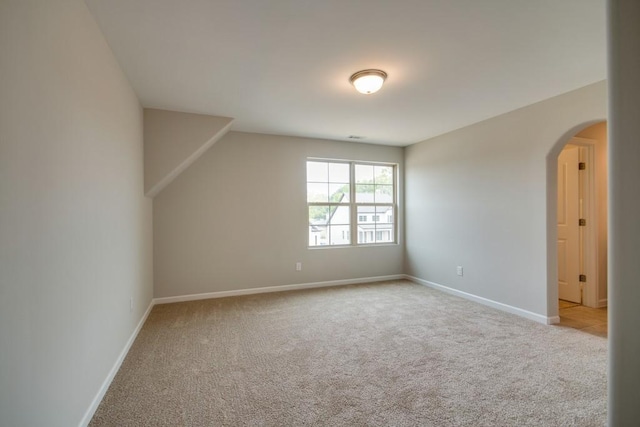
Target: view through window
{"x": 351, "y": 203}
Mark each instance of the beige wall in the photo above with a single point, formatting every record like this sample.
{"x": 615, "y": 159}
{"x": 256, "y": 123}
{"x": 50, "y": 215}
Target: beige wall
{"x": 237, "y": 218}
{"x": 75, "y": 229}
{"x": 624, "y": 210}
{"x": 173, "y": 141}
{"x": 598, "y": 132}
{"x": 477, "y": 197}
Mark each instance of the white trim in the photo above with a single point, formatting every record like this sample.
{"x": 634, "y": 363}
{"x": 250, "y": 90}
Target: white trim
{"x": 552, "y": 210}
{"x": 86, "y": 419}
{"x": 589, "y": 234}
{"x": 353, "y": 204}
{"x": 603, "y": 303}
{"x": 88, "y": 415}
{"x": 280, "y": 288}
{"x": 485, "y": 301}
{"x": 553, "y": 320}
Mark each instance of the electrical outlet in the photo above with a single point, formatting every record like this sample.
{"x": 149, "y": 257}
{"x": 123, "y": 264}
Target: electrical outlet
{"x": 298, "y": 266}
{"x": 459, "y": 271}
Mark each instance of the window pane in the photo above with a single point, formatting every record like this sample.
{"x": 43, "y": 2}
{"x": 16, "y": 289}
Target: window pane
{"x": 367, "y": 212}
{"x": 339, "y": 193}
{"x": 318, "y": 215}
{"x": 366, "y": 227}
{"x": 384, "y": 194}
{"x": 366, "y": 236}
{"x": 318, "y": 235}
{"x": 383, "y": 174}
{"x": 339, "y": 215}
{"x": 383, "y": 211}
{"x": 364, "y": 193}
{"x": 384, "y": 227}
{"x": 339, "y": 172}
{"x": 384, "y": 236}
{"x": 339, "y": 235}
{"x": 318, "y": 193}
{"x": 317, "y": 172}
{"x": 386, "y": 213}
{"x": 329, "y": 225}
{"x": 364, "y": 174}
{"x": 375, "y": 224}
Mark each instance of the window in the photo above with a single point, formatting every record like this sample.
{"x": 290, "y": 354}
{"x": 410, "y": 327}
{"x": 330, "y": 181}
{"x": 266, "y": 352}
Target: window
{"x": 342, "y": 196}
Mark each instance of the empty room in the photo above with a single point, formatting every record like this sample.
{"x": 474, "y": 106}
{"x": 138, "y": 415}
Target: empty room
{"x": 337, "y": 213}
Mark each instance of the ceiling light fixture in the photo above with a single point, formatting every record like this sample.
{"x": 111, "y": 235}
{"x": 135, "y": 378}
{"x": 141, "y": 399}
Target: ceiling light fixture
{"x": 368, "y": 81}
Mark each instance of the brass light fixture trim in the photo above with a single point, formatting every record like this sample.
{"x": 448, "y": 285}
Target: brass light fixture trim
{"x": 368, "y": 81}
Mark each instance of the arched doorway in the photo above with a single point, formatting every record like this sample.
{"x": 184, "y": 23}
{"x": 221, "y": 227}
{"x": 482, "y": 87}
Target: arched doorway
{"x": 577, "y": 227}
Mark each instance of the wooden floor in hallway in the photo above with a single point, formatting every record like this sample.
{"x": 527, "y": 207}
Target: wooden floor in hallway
{"x": 586, "y": 319}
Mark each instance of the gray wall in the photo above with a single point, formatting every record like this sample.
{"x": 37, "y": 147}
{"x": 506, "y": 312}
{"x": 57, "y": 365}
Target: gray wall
{"x": 477, "y": 197}
{"x": 173, "y": 141}
{"x": 624, "y": 212}
{"x": 75, "y": 229}
{"x": 237, "y": 218}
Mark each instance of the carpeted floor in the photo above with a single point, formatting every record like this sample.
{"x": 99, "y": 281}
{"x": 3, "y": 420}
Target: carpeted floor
{"x": 388, "y": 354}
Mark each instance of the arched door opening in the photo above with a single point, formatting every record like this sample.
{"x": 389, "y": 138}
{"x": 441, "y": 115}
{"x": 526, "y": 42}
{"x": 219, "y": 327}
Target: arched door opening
{"x": 577, "y": 230}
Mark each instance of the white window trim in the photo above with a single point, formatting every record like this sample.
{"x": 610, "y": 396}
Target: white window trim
{"x": 353, "y": 205}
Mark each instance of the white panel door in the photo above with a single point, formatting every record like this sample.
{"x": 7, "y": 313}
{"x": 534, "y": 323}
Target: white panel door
{"x": 568, "y": 228}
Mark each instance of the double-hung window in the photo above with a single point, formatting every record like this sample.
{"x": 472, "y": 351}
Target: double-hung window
{"x": 351, "y": 203}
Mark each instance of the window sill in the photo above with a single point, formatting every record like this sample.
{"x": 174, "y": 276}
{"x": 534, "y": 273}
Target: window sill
{"x": 378, "y": 245}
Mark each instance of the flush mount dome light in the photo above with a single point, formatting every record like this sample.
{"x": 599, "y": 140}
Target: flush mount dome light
{"x": 368, "y": 81}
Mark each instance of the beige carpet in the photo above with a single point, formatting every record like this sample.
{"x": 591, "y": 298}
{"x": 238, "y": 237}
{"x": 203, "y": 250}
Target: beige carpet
{"x": 390, "y": 354}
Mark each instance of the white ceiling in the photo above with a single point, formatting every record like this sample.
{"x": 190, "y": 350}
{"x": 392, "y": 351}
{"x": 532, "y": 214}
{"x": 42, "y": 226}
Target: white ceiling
{"x": 282, "y": 66}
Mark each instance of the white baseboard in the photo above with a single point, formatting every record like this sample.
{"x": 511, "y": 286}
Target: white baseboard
{"x": 603, "y": 303}
{"x": 114, "y": 370}
{"x": 221, "y": 294}
{"x": 485, "y": 301}
{"x": 553, "y": 320}
{"x": 281, "y": 288}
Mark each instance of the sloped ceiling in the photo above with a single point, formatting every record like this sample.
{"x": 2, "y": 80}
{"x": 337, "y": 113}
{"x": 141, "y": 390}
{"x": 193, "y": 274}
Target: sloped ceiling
{"x": 282, "y": 66}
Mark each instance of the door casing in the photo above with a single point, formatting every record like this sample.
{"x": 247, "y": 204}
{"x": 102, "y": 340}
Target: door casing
{"x": 588, "y": 211}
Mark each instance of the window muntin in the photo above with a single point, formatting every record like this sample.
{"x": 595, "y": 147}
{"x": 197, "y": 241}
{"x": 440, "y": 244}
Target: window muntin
{"x": 350, "y": 199}
{"x": 374, "y": 183}
{"x": 328, "y": 182}
{"x": 375, "y": 231}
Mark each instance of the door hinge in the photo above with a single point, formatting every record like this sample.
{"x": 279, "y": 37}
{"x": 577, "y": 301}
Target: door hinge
{"x": 582, "y": 166}
{"x": 582, "y": 222}
{"x": 582, "y": 278}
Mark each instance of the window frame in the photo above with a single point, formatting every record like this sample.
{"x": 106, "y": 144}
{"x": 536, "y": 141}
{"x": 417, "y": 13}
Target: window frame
{"x": 353, "y": 205}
